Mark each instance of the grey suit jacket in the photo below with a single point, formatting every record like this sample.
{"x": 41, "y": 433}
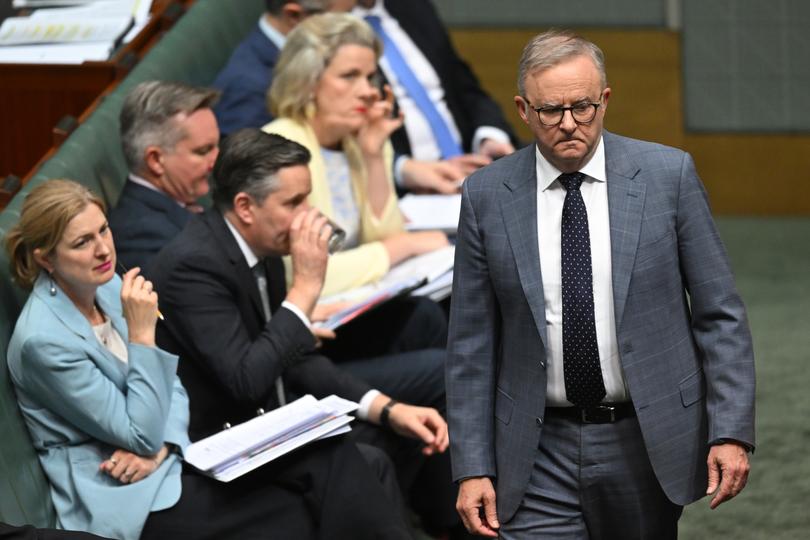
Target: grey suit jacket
{"x": 81, "y": 403}
{"x": 682, "y": 331}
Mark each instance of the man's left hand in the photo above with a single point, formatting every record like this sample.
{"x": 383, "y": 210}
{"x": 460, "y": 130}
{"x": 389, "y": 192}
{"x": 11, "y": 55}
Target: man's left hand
{"x": 728, "y": 472}
{"x": 420, "y": 423}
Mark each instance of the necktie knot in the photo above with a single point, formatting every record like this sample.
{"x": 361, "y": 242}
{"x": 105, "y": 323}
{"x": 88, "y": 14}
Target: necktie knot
{"x": 571, "y": 181}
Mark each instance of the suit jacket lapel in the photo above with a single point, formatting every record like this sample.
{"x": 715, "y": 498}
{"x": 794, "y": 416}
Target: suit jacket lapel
{"x": 519, "y": 211}
{"x": 159, "y": 202}
{"x": 626, "y": 192}
{"x": 73, "y": 321}
{"x": 243, "y": 274}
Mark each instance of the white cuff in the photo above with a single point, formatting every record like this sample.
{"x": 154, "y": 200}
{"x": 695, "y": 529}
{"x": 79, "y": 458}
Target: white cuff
{"x": 398, "y": 165}
{"x": 298, "y": 313}
{"x": 488, "y": 132}
{"x": 365, "y": 404}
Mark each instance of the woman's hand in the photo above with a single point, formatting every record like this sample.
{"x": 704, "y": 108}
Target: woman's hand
{"x": 380, "y": 124}
{"x": 409, "y": 244}
{"x": 129, "y": 468}
{"x": 139, "y": 303}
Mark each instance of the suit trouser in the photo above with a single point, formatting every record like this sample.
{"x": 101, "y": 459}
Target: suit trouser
{"x": 28, "y": 532}
{"x": 323, "y": 491}
{"x": 593, "y": 482}
{"x": 399, "y": 349}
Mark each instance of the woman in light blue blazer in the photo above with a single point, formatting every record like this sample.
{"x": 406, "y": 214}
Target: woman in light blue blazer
{"x": 105, "y": 410}
{"x": 109, "y": 417}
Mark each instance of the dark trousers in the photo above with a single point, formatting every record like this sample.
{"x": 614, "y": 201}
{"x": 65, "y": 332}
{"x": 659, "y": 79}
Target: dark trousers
{"x": 399, "y": 349}
{"x": 325, "y": 490}
{"x": 27, "y": 532}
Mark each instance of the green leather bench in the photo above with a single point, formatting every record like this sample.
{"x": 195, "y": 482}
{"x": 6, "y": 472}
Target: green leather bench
{"x": 193, "y": 51}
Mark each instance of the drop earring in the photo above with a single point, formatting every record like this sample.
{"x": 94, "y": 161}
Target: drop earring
{"x": 52, "y": 290}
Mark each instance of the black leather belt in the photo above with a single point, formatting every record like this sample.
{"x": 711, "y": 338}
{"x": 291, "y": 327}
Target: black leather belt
{"x": 605, "y": 413}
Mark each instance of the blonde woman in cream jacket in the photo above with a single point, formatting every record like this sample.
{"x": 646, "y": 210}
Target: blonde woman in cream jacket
{"x": 324, "y": 97}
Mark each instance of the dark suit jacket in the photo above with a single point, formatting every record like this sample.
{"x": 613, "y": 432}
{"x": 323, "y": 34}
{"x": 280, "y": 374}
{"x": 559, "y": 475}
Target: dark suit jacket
{"x": 682, "y": 331}
{"x": 229, "y": 357}
{"x": 469, "y": 104}
{"x": 143, "y": 222}
{"x": 244, "y": 82}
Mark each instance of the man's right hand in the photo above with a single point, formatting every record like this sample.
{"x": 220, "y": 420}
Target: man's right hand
{"x": 476, "y": 506}
{"x": 308, "y": 248}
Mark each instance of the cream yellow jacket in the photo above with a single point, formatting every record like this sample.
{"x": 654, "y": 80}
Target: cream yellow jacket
{"x": 369, "y": 261}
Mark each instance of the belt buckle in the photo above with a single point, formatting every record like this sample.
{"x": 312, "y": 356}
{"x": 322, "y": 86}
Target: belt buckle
{"x": 600, "y": 414}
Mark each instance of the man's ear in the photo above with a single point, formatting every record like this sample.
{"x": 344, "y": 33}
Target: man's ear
{"x": 605, "y": 98}
{"x": 522, "y": 108}
{"x": 43, "y": 260}
{"x": 291, "y": 15}
{"x": 243, "y": 207}
{"x": 153, "y": 157}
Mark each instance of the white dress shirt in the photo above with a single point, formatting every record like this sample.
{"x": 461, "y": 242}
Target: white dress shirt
{"x": 550, "y": 198}
{"x": 252, "y": 260}
{"x": 423, "y": 143}
{"x": 271, "y": 33}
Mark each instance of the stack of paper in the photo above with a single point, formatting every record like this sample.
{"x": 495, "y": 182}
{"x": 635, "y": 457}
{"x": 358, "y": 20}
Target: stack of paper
{"x": 231, "y": 453}
{"x": 89, "y": 30}
{"x": 431, "y": 212}
{"x": 430, "y": 274}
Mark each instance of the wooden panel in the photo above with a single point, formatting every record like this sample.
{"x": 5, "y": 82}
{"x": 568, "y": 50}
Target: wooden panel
{"x": 34, "y": 97}
{"x": 644, "y": 73}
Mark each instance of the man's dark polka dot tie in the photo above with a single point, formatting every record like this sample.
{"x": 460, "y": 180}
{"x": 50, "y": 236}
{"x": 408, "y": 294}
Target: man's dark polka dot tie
{"x": 584, "y": 385}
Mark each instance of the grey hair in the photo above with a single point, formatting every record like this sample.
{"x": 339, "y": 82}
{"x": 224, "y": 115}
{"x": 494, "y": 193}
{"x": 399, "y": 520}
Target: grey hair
{"x": 308, "y": 50}
{"x": 554, "y": 47}
{"x": 248, "y": 162}
{"x": 148, "y": 116}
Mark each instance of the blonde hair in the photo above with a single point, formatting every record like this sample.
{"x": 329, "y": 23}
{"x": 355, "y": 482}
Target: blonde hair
{"x": 308, "y": 50}
{"x": 45, "y": 215}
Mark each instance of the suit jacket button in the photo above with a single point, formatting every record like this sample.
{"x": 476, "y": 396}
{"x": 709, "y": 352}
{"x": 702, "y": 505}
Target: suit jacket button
{"x": 539, "y": 421}
{"x": 542, "y": 364}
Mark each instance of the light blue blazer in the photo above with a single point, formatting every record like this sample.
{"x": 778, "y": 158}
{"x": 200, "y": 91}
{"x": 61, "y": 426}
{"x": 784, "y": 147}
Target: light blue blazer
{"x": 81, "y": 404}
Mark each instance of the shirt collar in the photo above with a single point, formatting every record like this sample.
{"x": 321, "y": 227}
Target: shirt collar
{"x": 377, "y": 9}
{"x": 271, "y": 33}
{"x": 250, "y": 257}
{"x": 594, "y": 169}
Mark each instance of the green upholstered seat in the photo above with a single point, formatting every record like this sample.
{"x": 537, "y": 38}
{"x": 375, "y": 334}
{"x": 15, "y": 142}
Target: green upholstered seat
{"x": 193, "y": 51}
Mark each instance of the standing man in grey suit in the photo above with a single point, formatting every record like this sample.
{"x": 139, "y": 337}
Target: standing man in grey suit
{"x": 600, "y": 372}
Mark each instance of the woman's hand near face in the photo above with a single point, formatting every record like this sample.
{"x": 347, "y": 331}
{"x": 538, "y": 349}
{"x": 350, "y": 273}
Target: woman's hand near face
{"x": 139, "y": 303}
{"x": 372, "y": 137}
{"x": 380, "y": 124}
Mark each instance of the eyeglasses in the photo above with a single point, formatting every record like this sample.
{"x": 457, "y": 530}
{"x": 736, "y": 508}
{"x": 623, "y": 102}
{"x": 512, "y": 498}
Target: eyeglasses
{"x": 583, "y": 112}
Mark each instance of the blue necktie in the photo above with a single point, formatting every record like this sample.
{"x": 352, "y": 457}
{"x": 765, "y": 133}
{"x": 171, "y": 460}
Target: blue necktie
{"x": 582, "y": 371}
{"x": 447, "y": 144}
